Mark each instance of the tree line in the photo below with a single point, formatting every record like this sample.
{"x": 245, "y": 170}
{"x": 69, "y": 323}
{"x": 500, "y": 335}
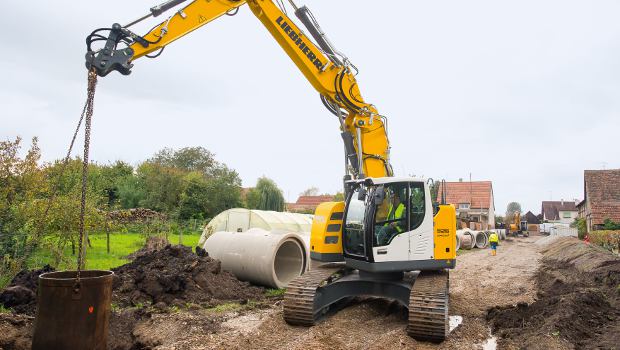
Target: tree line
{"x": 184, "y": 184}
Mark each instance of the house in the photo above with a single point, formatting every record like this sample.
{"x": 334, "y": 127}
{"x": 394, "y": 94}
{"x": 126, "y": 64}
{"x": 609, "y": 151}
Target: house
{"x": 475, "y": 207}
{"x": 559, "y": 212}
{"x": 601, "y": 189}
{"x": 531, "y": 218}
{"x": 307, "y": 204}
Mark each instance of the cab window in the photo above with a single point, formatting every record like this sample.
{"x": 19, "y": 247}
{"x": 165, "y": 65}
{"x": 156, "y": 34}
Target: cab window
{"x": 391, "y": 214}
{"x": 417, "y": 205}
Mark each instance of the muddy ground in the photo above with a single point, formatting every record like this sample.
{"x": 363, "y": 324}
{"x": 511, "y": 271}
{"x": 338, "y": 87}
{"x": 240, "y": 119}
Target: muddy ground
{"x": 479, "y": 282}
{"x": 577, "y": 305}
{"x": 480, "y": 285}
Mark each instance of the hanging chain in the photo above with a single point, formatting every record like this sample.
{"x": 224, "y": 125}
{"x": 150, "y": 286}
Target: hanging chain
{"x": 92, "y": 84}
{"x": 38, "y": 231}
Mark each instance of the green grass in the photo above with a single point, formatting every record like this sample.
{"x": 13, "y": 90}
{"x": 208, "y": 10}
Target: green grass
{"x": 97, "y": 257}
{"x": 229, "y": 307}
{"x": 275, "y": 292}
{"x": 4, "y": 310}
{"x": 226, "y": 307}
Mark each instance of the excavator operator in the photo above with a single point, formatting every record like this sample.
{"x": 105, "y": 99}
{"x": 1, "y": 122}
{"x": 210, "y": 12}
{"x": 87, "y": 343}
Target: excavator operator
{"x": 394, "y": 219}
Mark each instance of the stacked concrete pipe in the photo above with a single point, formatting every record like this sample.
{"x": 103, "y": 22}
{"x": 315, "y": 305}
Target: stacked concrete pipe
{"x": 458, "y": 242}
{"x": 466, "y": 239}
{"x": 269, "y": 258}
{"x": 481, "y": 240}
{"x": 501, "y": 233}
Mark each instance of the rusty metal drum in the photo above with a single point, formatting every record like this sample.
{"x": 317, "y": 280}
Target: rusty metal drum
{"x": 70, "y": 316}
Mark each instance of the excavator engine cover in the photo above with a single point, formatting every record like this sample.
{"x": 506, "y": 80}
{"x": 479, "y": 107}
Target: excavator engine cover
{"x": 326, "y": 234}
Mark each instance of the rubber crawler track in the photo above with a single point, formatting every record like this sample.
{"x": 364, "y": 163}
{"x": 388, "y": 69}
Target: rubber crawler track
{"x": 300, "y": 293}
{"x": 428, "y": 307}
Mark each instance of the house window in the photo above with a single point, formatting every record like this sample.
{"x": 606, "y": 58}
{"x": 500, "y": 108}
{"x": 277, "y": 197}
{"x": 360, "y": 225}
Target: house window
{"x": 463, "y": 205}
{"x": 566, "y": 215}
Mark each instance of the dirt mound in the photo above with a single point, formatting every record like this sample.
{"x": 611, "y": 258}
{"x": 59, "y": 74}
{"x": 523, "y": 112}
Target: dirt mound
{"x": 21, "y": 294}
{"x": 15, "y": 332}
{"x": 578, "y": 300}
{"x": 176, "y": 276}
{"x": 152, "y": 244}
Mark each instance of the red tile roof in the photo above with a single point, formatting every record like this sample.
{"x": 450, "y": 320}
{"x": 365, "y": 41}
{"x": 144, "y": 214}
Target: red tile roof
{"x": 551, "y": 209}
{"x": 477, "y": 193}
{"x": 305, "y": 203}
{"x": 602, "y": 190}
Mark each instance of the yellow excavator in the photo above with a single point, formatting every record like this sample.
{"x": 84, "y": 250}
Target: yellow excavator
{"x": 387, "y": 239}
{"x": 518, "y": 226}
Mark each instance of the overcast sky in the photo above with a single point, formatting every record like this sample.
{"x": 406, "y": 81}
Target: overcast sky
{"x": 522, "y": 93}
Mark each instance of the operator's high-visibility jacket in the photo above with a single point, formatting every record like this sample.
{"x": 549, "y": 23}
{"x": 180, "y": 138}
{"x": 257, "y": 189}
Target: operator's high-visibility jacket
{"x": 493, "y": 238}
{"x": 396, "y": 214}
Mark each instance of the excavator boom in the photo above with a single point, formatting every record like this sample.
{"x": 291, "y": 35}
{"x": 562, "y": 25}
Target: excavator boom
{"x": 363, "y": 129}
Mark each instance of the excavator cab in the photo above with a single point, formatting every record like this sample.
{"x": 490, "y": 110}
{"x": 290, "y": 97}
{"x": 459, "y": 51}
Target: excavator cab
{"x": 388, "y": 224}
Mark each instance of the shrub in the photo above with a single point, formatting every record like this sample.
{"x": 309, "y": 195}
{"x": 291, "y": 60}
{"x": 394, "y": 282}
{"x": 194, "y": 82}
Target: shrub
{"x": 607, "y": 239}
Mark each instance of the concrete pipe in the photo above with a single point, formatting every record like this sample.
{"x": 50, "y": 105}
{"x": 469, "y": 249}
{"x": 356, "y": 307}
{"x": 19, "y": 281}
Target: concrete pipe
{"x": 458, "y": 242}
{"x": 480, "y": 239}
{"x": 466, "y": 239}
{"x": 268, "y": 258}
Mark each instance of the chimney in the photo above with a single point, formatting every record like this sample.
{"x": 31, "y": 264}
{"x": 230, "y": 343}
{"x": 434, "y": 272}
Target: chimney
{"x": 562, "y": 202}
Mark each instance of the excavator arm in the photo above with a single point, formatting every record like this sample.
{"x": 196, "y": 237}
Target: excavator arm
{"x": 363, "y": 129}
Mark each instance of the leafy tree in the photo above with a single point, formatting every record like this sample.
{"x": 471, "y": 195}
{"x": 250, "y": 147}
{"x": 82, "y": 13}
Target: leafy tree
{"x": 339, "y": 197}
{"x": 187, "y": 159}
{"x": 162, "y": 186}
{"x": 131, "y": 192}
{"x": 312, "y": 191}
{"x": 512, "y": 208}
{"x": 265, "y": 196}
{"x": 111, "y": 178}
{"x": 21, "y": 183}
{"x": 204, "y": 198}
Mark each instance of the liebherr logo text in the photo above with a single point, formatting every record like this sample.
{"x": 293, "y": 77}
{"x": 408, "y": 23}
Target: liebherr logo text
{"x": 299, "y": 42}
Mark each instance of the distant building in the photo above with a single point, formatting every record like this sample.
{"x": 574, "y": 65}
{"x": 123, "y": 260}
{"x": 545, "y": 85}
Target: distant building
{"x": 531, "y": 218}
{"x": 601, "y": 189}
{"x": 559, "y": 212}
{"x": 307, "y": 204}
{"x": 475, "y": 207}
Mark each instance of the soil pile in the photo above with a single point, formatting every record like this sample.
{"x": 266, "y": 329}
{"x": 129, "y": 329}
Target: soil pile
{"x": 21, "y": 294}
{"x": 176, "y": 276}
{"x": 152, "y": 244}
{"x": 15, "y": 332}
{"x": 578, "y": 301}
{"x": 135, "y": 215}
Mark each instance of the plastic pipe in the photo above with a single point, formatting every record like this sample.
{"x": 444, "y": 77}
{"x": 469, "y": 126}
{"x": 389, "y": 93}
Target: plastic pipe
{"x": 268, "y": 258}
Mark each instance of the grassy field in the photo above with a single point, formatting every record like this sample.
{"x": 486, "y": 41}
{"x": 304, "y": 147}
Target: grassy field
{"x": 97, "y": 257}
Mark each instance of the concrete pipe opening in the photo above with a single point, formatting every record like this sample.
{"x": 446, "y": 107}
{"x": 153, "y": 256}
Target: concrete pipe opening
{"x": 480, "y": 239}
{"x": 289, "y": 262}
